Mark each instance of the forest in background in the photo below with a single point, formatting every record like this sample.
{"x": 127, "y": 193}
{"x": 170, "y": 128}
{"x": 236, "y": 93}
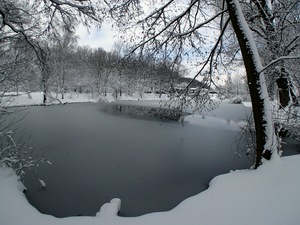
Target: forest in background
{"x": 73, "y": 68}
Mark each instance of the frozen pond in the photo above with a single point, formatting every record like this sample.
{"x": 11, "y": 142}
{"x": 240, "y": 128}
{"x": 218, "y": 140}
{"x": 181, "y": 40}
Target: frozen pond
{"x": 99, "y": 154}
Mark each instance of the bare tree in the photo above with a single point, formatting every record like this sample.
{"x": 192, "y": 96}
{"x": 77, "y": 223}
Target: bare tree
{"x": 276, "y": 27}
{"x": 40, "y": 22}
{"x": 185, "y": 29}
{"x": 62, "y": 60}
{"x": 98, "y": 66}
{"x": 35, "y": 19}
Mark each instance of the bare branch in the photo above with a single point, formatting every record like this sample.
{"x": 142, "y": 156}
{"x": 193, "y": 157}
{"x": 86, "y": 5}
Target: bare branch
{"x": 200, "y": 25}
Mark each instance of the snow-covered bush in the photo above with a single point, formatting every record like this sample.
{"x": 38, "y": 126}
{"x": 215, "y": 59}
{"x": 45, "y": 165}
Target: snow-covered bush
{"x": 14, "y": 150}
{"x": 287, "y": 121}
{"x": 14, "y": 153}
{"x": 161, "y": 113}
{"x": 287, "y": 124}
{"x": 236, "y": 100}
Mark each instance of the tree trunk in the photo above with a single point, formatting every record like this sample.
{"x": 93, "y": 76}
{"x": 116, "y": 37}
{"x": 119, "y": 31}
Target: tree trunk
{"x": 44, "y": 91}
{"x": 278, "y": 75}
{"x": 45, "y": 76}
{"x": 264, "y": 127}
{"x": 286, "y": 95}
{"x": 63, "y": 87}
{"x": 45, "y": 72}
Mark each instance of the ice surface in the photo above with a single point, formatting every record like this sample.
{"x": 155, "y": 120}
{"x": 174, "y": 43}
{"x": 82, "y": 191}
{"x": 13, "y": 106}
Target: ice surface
{"x": 151, "y": 165}
{"x": 269, "y": 195}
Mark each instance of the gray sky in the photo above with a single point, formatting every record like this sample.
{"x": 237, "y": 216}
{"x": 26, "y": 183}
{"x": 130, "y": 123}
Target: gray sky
{"x": 104, "y": 38}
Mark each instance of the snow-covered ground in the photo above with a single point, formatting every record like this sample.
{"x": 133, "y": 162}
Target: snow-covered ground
{"x": 36, "y": 98}
{"x": 269, "y": 195}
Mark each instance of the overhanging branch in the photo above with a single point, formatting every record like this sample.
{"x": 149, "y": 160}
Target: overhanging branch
{"x": 279, "y": 59}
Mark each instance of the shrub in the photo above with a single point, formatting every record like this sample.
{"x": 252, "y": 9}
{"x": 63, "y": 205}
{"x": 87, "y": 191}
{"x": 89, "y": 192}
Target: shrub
{"x": 236, "y": 100}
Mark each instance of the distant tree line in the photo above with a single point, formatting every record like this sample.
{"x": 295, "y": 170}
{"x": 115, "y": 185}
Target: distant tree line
{"x": 68, "y": 67}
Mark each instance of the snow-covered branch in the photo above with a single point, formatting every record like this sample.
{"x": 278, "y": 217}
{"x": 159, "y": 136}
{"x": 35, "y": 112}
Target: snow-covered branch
{"x": 279, "y": 59}
{"x": 157, "y": 15}
{"x": 85, "y": 9}
{"x": 200, "y": 25}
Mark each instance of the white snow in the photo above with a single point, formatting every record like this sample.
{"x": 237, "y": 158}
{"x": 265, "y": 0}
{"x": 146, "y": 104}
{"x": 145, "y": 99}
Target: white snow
{"x": 269, "y": 195}
{"x": 36, "y": 98}
{"x": 43, "y": 184}
{"x": 110, "y": 209}
{"x": 247, "y": 104}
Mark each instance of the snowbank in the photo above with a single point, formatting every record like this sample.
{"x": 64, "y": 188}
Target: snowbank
{"x": 269, "y": 195}
{"x": 247, "y": 104}
{"x": 208, "y": 121}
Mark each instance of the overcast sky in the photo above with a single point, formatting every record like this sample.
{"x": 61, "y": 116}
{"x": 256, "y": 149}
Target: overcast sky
{"x": 104, "y": 38}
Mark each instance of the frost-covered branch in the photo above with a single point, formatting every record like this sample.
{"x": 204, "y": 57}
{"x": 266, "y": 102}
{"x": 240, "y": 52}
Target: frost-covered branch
{"x": 14, "y": 154}
{"x": 85, "y": 9}
{"x": 200, "y": 25}
{"x": 157, "y": 15}
{"x": 278, "y": 60}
